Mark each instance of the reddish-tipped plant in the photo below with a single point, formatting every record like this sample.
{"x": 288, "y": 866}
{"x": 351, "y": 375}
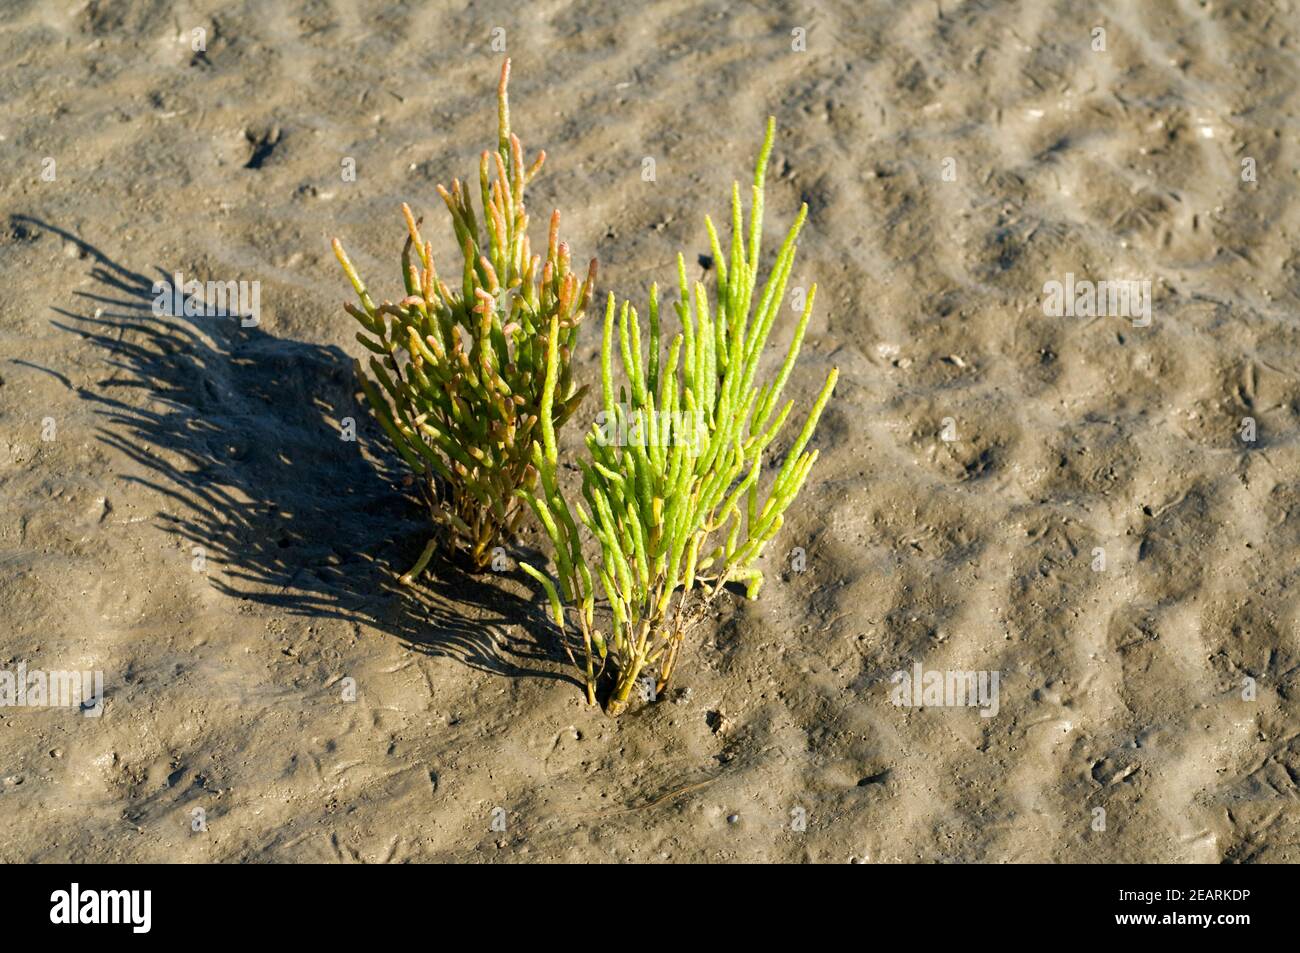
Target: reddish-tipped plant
{"x": 459, "y": 372}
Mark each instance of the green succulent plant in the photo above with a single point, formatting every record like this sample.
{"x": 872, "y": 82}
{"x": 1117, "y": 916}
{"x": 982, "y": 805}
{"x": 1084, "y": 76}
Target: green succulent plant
{"x": 672, "y": 489}
{"x": 462, "y": 374}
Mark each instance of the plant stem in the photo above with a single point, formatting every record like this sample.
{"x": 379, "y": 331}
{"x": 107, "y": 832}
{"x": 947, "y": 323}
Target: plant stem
{"x": 409, "y": 577}
{"x": 674, "y": 643}
{"x": 591, "y": 676}
{"x": 623, "y": 689}
{"x": 666, "y": 672}
{"x": 628, "y": 675}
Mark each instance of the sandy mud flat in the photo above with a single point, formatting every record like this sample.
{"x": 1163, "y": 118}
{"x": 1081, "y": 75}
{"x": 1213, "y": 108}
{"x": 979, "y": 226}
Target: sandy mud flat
{"x": 1101, "y": 508}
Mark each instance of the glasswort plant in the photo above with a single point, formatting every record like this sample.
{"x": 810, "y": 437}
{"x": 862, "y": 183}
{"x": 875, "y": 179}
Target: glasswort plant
{"x": 458, "y": 372}
{"x": 697, "y": 424}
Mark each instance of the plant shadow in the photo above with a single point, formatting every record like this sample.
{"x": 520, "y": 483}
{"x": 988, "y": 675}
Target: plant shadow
{"x": 242, "y": 432}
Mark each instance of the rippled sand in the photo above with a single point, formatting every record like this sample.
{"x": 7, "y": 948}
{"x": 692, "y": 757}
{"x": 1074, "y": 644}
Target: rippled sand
{"x": 1120, "y": 689}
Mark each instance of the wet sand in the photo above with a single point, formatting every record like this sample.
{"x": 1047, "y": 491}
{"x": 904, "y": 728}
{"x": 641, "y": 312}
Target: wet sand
{"x": 194, "y": 528}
